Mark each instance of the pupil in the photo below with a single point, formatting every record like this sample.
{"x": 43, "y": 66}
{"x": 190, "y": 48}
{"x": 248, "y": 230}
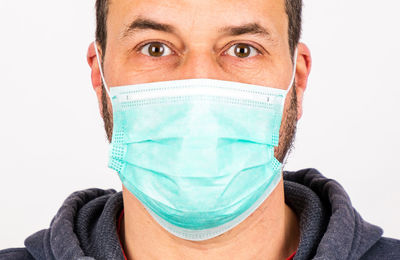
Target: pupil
{"x": 156, "y": 49}
{"x": 242, "y": 51}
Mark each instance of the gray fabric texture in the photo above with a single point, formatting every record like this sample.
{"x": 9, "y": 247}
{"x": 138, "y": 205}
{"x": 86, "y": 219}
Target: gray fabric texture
{"x": 85, "y": 226}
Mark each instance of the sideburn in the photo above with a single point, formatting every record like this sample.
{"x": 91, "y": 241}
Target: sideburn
{"x": 106, "y": 114}
{"x": 287, "y": 131}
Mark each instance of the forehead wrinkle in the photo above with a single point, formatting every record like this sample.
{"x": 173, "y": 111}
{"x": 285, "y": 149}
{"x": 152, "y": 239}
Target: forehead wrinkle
{"x": 142, "y": 23}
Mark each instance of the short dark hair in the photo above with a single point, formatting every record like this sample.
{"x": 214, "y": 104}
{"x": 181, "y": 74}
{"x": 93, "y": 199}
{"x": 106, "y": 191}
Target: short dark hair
{"x": 293, "y": 11}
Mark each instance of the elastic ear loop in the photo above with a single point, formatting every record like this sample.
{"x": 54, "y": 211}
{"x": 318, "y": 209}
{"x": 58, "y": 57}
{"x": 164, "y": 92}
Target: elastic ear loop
{"x": 294, "y": 72}
{"x": 101, "y": 70}
{"x": 286, "y": 91}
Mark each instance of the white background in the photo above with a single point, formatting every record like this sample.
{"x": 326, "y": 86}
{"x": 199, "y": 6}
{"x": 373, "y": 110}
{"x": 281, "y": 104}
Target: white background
{"x": 53, "y": 142}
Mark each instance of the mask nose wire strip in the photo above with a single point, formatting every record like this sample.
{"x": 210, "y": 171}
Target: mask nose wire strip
{"x": 293, "y": 73}
{"x": 101, "y": 70}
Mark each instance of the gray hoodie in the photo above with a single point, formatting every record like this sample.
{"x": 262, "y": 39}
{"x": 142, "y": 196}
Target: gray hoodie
{"x": 85, "y": 226}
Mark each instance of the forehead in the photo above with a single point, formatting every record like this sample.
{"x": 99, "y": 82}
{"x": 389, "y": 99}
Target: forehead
{"x": 200, "y": 15}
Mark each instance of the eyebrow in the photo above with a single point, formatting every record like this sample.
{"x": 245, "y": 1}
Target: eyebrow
{"x": 250, "y": 28}
{"x": 141, "y": 23}
{"x": 147, "y": 24}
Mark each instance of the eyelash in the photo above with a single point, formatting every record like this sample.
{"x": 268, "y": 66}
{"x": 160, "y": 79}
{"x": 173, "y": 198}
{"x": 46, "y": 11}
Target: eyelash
{"x": 141, "y": 46}
{"x": 244, "y": 43}
{"x": 167, "y": 44}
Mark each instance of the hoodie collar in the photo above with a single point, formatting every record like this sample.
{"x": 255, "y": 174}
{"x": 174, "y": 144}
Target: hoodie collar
{"x": 330, "y": 228}
{"x": 85, "y": 225}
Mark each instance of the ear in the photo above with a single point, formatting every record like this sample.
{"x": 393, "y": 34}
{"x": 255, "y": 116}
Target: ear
{"x": 95, "y": 72}
{"x": 303, "y": 69}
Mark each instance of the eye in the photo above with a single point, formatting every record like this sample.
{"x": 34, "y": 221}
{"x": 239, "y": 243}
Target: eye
{"x": 155, "y": 49}
{"x": 242, "y": 50}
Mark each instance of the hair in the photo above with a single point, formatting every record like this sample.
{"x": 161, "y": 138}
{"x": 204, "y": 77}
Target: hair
{"x": 293, "y": 11}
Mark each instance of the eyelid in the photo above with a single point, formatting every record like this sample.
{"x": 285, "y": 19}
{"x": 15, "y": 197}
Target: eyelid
{"x": 246, "y": 44}
{"x": 233, "y": 43}
{"x": 167, "y": 44}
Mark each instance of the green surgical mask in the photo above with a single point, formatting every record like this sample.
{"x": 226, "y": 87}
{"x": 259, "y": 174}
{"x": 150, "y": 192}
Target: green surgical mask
{"x": 197, "y": 153}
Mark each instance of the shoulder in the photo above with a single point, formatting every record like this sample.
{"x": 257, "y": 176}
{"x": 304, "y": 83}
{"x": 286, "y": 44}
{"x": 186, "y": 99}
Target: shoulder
{"x": 385, "y": 248}
{"x": 15, "y": 254}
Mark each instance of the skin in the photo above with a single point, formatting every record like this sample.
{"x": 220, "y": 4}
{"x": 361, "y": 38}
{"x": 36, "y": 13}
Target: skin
{"x": 200, "y": 50}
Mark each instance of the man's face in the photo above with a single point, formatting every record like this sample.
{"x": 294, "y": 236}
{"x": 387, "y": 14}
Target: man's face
{"x": 244, "y": 41}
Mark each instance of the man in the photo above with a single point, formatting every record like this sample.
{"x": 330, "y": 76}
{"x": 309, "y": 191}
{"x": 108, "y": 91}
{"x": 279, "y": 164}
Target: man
{"x": 233, "y": 62}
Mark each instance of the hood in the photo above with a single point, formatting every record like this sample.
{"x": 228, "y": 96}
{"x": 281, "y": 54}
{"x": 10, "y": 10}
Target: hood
{"x": 330, "y": 227}
{"x": 86, "y": 224}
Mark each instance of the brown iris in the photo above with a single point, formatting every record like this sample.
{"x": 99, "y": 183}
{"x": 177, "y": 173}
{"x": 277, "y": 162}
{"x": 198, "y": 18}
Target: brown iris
{"x": 242, "y": 50}
{"x": 156, "y": 49}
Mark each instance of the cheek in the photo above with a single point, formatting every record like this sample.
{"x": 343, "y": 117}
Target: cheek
{"x": 289, "y": 111}
{"x": 140, "y": 63}
{"x": 251, "y": 72}
{"x": 284, "y": 119}
{"x": 138, "y": 68}
{"x": 288, "y": 101}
